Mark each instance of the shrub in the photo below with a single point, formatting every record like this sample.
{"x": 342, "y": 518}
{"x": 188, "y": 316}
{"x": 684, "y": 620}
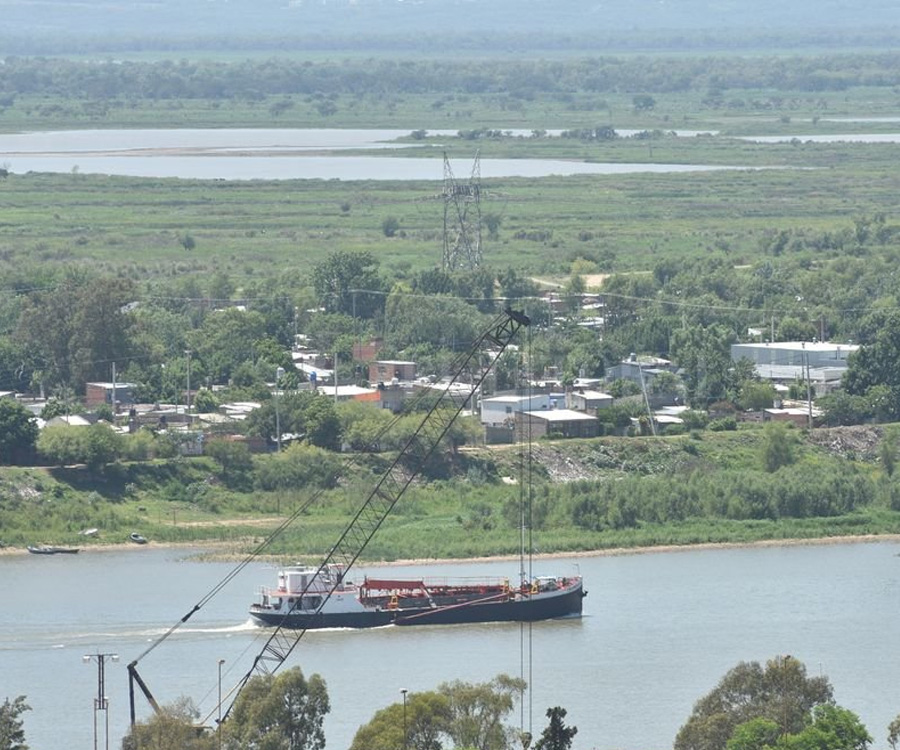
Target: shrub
{"x": 723, "y": 424}
{"x": 390, "y": 226}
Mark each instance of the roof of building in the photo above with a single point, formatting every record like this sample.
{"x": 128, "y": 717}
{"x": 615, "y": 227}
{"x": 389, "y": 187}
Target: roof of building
{"x": 73, "y": 420}
{"x": 667, "y": 419}
{"x": 320, "y": 372}
{"x": 646, "y": 360}
{"x": 345, "y": 391}
{"x": 811, "y": 346}
{"x": 239, "y": 409}
{"x": 514, "y": 399}
{"x": 798, "y": 372}
{"x": 588, "y": 394}
{"x": 793, "y": 411}
{"x": 562, "y": 415}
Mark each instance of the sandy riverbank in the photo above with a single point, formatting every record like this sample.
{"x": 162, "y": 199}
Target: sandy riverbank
{"x": 223, "y": 551}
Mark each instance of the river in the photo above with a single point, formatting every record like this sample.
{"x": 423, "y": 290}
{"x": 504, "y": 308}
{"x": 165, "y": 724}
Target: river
{"x": 658, "y": 632}
{"x": 273, "y": 154}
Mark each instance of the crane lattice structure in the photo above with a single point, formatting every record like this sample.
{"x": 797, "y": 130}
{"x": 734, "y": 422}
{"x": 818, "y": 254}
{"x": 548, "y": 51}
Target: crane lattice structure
{"x": 462, "y": 218}
{"x": 442, "y": 407}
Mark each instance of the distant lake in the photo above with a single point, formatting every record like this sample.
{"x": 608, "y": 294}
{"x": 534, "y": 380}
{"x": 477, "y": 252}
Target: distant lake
{"x": 273, "y": 154}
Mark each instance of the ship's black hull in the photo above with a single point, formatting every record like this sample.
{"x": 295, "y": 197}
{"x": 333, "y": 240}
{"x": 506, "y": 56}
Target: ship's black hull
{"x": 564, "y": 604}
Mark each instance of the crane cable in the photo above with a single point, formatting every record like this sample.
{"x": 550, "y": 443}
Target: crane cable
{"x": 526, "y": 531}
{"x": 423, "y": 397}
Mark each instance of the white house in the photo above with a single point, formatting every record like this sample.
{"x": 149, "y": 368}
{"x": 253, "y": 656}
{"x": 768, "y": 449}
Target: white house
{"x": 588, "y": 400}
{"x": 499, "y": 411}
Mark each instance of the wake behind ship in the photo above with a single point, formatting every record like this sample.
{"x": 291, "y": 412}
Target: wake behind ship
{"x": 301, "y": 600}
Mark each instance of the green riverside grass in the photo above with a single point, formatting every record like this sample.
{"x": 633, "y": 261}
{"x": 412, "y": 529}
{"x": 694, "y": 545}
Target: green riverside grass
{"x": 177, "y": 503}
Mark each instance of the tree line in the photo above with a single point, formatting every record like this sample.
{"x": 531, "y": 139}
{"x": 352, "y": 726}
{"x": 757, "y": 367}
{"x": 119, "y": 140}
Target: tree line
{"x": 771, "y": 706}
{"x": 58, "y": 332}
{"x": 256, "y": 79}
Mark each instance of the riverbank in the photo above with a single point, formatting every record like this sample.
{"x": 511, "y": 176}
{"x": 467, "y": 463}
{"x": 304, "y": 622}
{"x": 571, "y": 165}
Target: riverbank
{"x": 219, "y": 551}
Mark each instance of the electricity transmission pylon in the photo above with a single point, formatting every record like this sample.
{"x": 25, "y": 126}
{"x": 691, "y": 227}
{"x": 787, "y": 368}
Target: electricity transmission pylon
{"x": 462, "y": 218}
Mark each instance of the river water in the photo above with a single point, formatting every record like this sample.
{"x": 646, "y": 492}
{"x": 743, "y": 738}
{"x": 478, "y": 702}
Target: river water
{"x": 658, "y": 632}
{"x": 278, "y": 154}
{"x": 272, "y": 154}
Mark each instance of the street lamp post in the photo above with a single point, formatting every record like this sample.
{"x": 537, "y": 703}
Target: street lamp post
{"x": 403, "y": 692}
{"x": 101, "y": 702}
{"x": 219, "y": 719}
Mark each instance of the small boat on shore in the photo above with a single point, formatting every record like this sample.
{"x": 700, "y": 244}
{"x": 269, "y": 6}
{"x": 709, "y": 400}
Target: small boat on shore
{"x": 46, "y": 549}
{"x": 301, "y": 600}
{"x": 137, "y": 538}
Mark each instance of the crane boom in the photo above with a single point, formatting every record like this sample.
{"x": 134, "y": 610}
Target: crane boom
{"x": 467, "y": 378}
{"x": 468, "y": 375}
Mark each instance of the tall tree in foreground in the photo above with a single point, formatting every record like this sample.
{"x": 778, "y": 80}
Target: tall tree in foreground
{"x": 477, "y": 711}
{"x": 173, "y": 727}
{"x": 458, "y": 714}
{"x": 828, "y": 728}
{"x": 556, "y": 735}
{"x": 419, "y": 725}
{"x": 281, "y": 712}
{"x": 12, "y": 734}
{"x": 781, "y": 692}
{"x": 894, "y": 733}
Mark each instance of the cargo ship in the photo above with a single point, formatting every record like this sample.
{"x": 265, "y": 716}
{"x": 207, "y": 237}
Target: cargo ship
{"x": 308, "y": 598}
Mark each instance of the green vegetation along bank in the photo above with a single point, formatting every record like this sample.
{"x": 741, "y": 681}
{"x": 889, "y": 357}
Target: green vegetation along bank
{"x": 586, "y": 495}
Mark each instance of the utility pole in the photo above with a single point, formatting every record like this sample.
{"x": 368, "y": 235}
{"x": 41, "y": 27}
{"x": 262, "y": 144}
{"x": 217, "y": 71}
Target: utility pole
{"x": 187, "y": 353}
{"x": 808, "y": 395}
{"x": 101, "y": 702}
{"x": 279, "y": 374}
{"x": 403, "y": 692}
{"x": 219, "y": 720}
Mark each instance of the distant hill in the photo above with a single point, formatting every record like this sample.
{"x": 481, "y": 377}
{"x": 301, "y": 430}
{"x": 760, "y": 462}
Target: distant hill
{"x": 44, "y": 26}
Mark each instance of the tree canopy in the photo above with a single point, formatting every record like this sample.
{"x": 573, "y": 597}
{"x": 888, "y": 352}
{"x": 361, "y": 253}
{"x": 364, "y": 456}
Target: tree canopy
{"x": 828, "y": 728}
{"x": 173, "y": 727}
{"x": 348, "y": 283}
{"x": 279, "y": 712}
{"x": 18, "y": 432}
{"x": 469, "y": 715}
{"x": 556, "y": 735}
{"x": 780, "y": 692}
{"x": 12, "y": 732}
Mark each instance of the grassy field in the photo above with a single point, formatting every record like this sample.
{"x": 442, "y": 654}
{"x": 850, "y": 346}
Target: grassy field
{"x": 627, "y": 222}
